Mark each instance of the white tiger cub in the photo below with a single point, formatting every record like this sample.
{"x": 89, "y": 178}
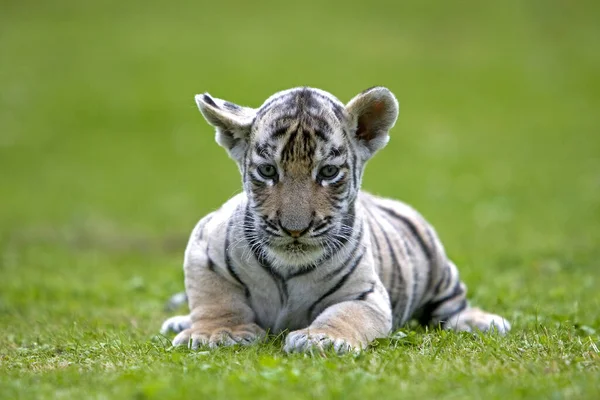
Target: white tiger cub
{"x": 302, "y": 248}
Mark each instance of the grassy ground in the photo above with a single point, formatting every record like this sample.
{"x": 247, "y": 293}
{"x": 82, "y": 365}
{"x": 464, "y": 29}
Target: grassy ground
{"x": 105, "y": 166}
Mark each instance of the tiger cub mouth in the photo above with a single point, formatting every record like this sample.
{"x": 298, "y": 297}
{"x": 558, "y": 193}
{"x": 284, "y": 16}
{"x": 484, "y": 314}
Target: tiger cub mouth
{"x": 297, "y": 247}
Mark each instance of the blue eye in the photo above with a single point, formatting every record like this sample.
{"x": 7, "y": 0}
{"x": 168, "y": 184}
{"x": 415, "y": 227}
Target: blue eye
{"x": 267, "y": 171}
{"x": 328, "y": 172}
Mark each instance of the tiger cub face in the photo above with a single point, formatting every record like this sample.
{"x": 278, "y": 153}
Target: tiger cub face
{"x": 301, "y": 155}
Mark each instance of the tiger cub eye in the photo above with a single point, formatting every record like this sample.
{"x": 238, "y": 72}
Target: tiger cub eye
{"x": 267, "y": 171}
{"x": 328, "y": 171}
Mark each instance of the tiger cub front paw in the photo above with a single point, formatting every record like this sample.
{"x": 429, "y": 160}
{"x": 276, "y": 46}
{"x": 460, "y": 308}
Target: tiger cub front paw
{"x": 196, "y": 337}
{"x": 318, "y": 340}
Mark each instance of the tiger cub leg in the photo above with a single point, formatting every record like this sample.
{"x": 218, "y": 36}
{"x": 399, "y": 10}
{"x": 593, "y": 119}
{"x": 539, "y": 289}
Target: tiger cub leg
{"x": 219, "y": 312}
{"x": 472, "y": 318}
{"x": 449, "y": 307}
{"x": 346, "y": 326}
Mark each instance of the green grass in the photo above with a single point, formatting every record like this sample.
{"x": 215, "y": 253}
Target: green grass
{"x": 106, "y": 165}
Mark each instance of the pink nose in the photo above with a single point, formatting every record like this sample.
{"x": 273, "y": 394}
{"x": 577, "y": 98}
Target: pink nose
{"x": 295, "y": 234}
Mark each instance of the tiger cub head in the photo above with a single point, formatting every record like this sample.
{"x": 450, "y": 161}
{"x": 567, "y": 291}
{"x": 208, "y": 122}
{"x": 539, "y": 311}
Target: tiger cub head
{"x": 301, "y": 155}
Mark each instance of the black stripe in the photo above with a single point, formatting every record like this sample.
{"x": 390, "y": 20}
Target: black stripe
{"x": 308, "y": 145}
{"x": 336, "y": 287}
{"x": 415, "y": 274}
{"x": 278, "y": 133}
{"x": 323, "y": 224}
{"x": 257, "y": 183}
{"x": 262, "y": 261}
{"x": 393, "y": 296}
{"x": 323, "y": 233}
{"x": 339, "y": 112}
{"x": 339, "y": 187}
{"x": 228, "y": 260}
{"x": 207, "y": 99}
{"x": 245, "y": 162}
{"x": 258, "y": 201}
{"x": 337, "y": 152}
{"x": 364, "y": 294}
{"x": 262, "y": 150}
{"x": 413, "y": 229}
{"x": 302, "y": 270}
{"x": 376, "y": 242}
{"x": 429, "y": 269}
{"x": 317, "y": 123}
{"x": 336, "y": 207}
{"x": 461, "y": 306}
{"x": 321, "y": 135}
{"x": 396, "y": 274}
{"x": 266, "y": 107}
{"x": 338, "y": 198}
{"x": 429, "y": 309}
{"x": 354, "y": 167}
{"x": 203, "y": 223}
{"x": 231, "y": 106}
{"x": 395, "y": 267}
{"x": 211, "y": 264}
{"x": 456, "y": 291}
{"x": 347, "y": 222}
{"x": 406, "y": 245}
{"x": 301, "y": 97}
{"x": 350, "y": 257}
{"x": 443, "y": 280}
{"x": 306, "y": 98}
{"x": 287, "y": 151}
{"x": 337, "y": 108}
{"x": 409, "y": 299}
{"x": 270, "y": 224}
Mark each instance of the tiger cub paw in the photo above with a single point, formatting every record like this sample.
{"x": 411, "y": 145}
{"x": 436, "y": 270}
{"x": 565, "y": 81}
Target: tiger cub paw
{"x": 198, "y": 337}
{"x": 318, "y": 340}
{"x": 473, "y": 319}
{"x": 176, "y": 324}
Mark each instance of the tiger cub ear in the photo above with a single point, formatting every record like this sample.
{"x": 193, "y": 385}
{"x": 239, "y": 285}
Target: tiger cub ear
{"x": 232, "y": 123}
{"x": 373, "y": 113}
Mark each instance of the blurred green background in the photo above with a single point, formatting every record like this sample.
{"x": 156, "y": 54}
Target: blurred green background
{"x": 499, "y": 120}
{"x": 106, "y": 164}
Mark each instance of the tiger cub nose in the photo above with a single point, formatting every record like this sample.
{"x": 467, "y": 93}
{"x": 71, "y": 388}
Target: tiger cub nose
{"x": 295, "y": 233}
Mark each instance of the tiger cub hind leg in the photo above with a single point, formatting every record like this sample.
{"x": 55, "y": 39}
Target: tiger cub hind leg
{"x": 456, "y": 314}
{"x": 453, "y": 312}
{"x": 474, "y": 319}
{"x": 449, "y": 307}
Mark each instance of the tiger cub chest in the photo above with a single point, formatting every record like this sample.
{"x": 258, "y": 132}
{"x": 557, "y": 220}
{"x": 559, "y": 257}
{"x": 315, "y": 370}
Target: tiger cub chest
{"x": 283, "y": 306}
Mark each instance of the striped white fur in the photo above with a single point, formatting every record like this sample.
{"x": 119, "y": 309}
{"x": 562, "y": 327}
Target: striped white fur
{"x": 302, "y": 249}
